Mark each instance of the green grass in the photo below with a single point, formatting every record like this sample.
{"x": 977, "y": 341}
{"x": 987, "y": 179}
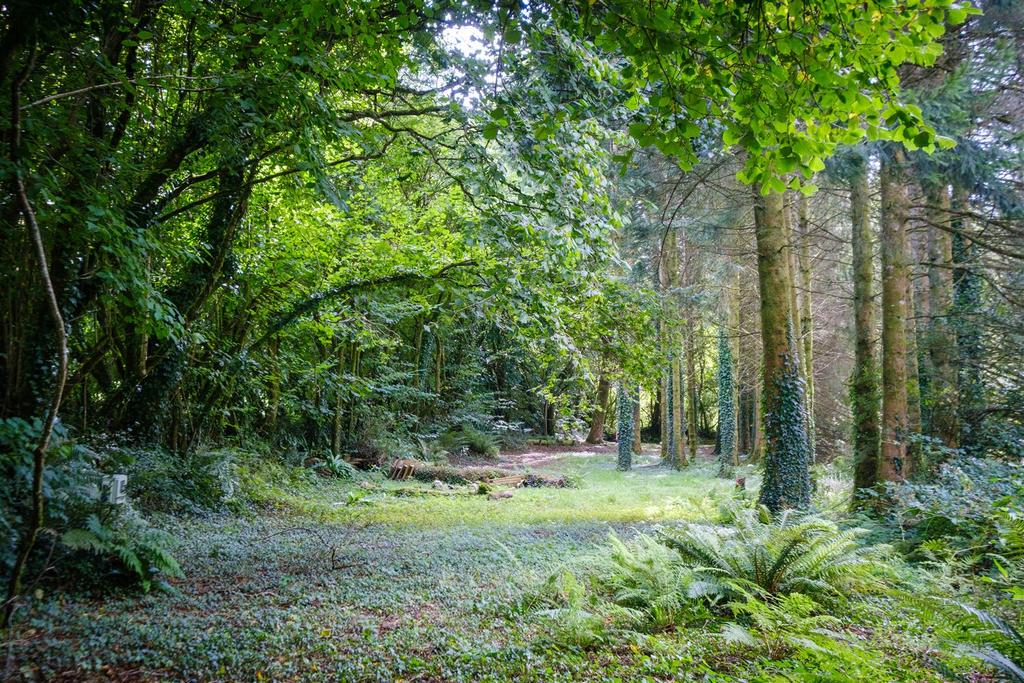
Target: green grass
{"x": 411, "y": 587}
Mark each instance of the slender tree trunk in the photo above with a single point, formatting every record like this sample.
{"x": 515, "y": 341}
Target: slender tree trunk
{"x": 894, "y": 464}
{"x": 678, "y": 440}
{"x": 941, "y": 339}
{"x": 806, "y": 319}
{"x": 864, "y": 390}
{"x": 787, "y": 482}
{"x": 968, "y": 288}
{"x": 727, "y": 457}
{"x": 692, "y": 396}
{"x": 626, "y": 426}
{"x": 666, "y": 418}
{"x": 638, "y": 446}
{"x": 596, "y": 434}
{"x": 339, "y": 402}
{"x": 913, "y": 375}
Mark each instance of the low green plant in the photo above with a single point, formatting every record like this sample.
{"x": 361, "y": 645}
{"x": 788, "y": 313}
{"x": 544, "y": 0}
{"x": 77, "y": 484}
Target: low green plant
{"x": 575, "y": 620}
{"x": 649, "y": 578}
{"x": 995, "y": 641}
{"x": 337, "y": 466}
{"x": 473, "y": 439}
{"x": 128, "y": 545}
{"x": 780, "y": 626}
{"x": 797, "y": 553}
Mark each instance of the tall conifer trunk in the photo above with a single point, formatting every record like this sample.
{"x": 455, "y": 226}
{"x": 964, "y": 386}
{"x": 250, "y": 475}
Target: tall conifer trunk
{"x": 941, "y": 340}
{"x": 864, "y": 390}
{"x": 894, "y": 464}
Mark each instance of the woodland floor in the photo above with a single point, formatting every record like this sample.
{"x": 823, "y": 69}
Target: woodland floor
{"x": 315, "y": 585}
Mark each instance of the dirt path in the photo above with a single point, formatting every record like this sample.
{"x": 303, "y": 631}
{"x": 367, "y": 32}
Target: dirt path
{"x": 543, "y": 455}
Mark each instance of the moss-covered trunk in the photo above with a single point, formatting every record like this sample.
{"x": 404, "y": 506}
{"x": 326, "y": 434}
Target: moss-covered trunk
{"x": 787, "y": 482}
{"x": 864, "y": 390}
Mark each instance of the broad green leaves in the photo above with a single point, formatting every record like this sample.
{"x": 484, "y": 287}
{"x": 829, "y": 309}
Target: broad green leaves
{"x": 784, "y": 80}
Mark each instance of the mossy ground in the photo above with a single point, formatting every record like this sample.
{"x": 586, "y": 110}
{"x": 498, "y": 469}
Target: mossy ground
{"x": 314, "y": 586}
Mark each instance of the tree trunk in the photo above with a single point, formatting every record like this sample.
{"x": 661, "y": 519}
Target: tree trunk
{"x": 806, "y": 320}
{"x": 894, "y": 464}
{"x": 626, "y": 426}
{"x": 638, "y": 445}
{"x": 941, "y": 340}
{"x": 967, "y": 286}
{"x": 339, "y": 402}
{"x": 864, "y": 390}
{"x": 692, "y": 396}
{"x": 596, "y": 434}
{"x": 727, "y": 456}
{"x": 677, "y": 456}
{"x": 787, "y": 482}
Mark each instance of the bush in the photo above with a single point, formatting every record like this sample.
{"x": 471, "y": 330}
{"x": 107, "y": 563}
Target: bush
{"x": 71, "y": 482}
{"x": 160, "y": 480}
{"x": 466, "y": 437}
{"x": 972, "y": 504}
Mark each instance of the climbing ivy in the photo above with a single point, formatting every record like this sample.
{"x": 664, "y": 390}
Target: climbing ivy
{"x": 787, "y": 481}
{"x": 626, "y": 401}
{"x": 726, "y": 408}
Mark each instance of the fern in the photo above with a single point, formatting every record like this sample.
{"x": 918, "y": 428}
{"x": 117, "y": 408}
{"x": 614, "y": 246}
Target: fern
{"x": 131, "y": 545}
{"x": 798, "y": 553}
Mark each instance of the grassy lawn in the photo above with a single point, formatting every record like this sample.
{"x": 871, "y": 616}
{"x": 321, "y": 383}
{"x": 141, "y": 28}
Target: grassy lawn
{"x": 332, "y": 580}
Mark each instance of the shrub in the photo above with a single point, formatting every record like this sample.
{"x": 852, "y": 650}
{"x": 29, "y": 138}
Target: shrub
{"x": 799, "y": 553}
{"x": 972, "y": 503}
{"x": 466, "y": 437}
{"x": 161, "y": 480}
{"x": 337, "y": 466}
{"x": 71, "y": 482}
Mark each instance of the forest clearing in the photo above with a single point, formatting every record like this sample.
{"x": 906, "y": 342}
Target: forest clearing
{"x": 491, "y": 340}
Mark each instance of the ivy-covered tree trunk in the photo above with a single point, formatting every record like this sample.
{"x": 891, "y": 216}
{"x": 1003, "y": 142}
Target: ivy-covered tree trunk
{"x": 806, "y": 318}
{"x": 942, "y": 392}
{"x": 787, "y": 481}
{"x": 727, "y": 454}
{"x": 596, "y": 434}
{"x": 894, "y": 464}
{"x": 865, "y": 401}
{"x": 625, "y": 401}
{"x": 967, "y": 293}
{"x": 638, "y": 445}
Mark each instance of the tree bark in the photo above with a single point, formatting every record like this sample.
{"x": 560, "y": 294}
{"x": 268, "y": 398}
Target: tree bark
{"x": 638, "y": 445}
{"x": 894, "y": 464}
{"x": 806, "y": 319}
{"x": 941, "y": 339}
{"x": 596, "y": 434}
{"x": 864, "y": 389}
{"x": 787, "y": 482}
